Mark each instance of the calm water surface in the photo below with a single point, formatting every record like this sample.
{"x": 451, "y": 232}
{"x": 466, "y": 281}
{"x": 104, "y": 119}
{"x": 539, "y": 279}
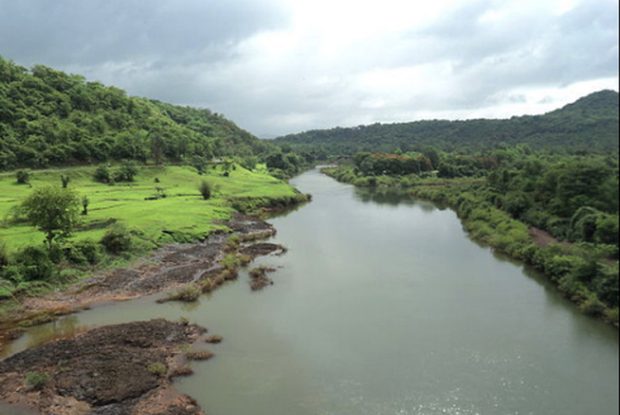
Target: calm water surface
{"x": 383, "y": 306}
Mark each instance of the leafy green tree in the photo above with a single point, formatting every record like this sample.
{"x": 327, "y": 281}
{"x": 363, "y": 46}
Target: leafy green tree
{"x": 53, "y": 211}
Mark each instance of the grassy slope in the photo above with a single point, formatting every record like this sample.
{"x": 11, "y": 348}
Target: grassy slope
{"x": 183, "y": 212}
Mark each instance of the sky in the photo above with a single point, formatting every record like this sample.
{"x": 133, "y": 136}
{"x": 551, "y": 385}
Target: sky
{"x": 284, "y": 66}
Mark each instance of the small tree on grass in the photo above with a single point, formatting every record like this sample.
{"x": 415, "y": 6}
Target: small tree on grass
{"x": 205, "y": 190}
{"x": 53, "y": 211}
{"x": 22, "y": 177}
{"x": 85, "y": 203}
{"x": 64, "y": 180}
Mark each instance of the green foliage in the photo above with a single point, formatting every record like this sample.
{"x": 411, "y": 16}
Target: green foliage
{"x": 51, "y": 118}
{"x": 590, "y": 125}
{"x": 37, "y": 380}
{"x": 85, "y": 203}
{"x": 34, "y": 264}
{"x": 53, "y": 211}
{"x": 22, "y": 177}
{"x": 157, "y": 368}
{"x": 188, "y": 293}
{"x": 117, "y": 240}
{"x": 102, "y": 175}
{"x": 64, "y": 180}
{"x": 205, "y": 190}
{"x": 4, "y": 255}
{"x": 126, "y": 173}
{"x": 84, "y": 252}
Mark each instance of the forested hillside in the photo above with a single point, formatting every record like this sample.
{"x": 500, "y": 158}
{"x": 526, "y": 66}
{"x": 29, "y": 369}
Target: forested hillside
{"x": 589, "y": 124}
{"x": 51, "y": 118}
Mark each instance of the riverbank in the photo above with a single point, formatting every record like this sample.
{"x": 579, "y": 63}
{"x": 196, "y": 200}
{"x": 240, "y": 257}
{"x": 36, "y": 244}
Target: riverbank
{"x": 119, "y": 369}
{"x": 564, "y": 264}
{"x": 202, "y": 267}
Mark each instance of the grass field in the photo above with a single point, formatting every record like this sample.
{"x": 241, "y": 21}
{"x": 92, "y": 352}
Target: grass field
{"x": 181, "y": 215}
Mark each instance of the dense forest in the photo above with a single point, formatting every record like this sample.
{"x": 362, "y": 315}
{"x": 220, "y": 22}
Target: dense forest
{"x": 589, "y": 124}
{"x": 49, "y": 118}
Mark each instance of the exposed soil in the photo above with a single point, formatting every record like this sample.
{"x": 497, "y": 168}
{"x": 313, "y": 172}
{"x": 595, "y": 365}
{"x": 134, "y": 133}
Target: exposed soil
{"x": 259, "y": 279}
{"x": 166, "y": 268}
{"x": 540, "y": 237}
{"x": 122, "y": 369}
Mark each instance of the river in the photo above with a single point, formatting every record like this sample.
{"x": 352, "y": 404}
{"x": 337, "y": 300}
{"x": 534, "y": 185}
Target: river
{"x": 384, "y": 306}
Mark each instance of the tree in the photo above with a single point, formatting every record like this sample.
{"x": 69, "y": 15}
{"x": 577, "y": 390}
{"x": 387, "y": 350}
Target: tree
{"x": 157, "y": 148}
{"x": 205, "y": 190}
{"x": 53, "y": 211}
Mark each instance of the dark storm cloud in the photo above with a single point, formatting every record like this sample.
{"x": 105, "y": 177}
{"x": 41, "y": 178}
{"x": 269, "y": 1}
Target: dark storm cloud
{"x": 88, "y": 32}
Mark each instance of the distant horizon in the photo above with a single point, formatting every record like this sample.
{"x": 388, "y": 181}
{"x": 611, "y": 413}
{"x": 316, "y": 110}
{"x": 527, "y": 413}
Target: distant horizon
{"x": 444, "y": 119}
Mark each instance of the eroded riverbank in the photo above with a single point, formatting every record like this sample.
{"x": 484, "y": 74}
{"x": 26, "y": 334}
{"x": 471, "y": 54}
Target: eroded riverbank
{"x": 119, "y": 369}
{"x": 207, "y": 264}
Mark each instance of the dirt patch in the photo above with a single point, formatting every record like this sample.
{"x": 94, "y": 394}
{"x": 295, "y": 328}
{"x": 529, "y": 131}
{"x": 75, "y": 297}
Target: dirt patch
{"x": 259, "y": 279}
{"x": 262, "y": 248}
{"x": 120, "y": 369}
{"x": 167, "y": 268}
{"x": 540, "y": 237}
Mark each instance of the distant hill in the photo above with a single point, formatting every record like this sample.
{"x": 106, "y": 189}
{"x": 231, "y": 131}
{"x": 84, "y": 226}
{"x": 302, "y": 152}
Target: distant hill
{"x": 48, "y": 117}
{"x": 589, "y": 124}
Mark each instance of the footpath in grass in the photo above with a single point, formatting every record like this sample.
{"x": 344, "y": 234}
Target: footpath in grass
{"x": 181, "y": 215}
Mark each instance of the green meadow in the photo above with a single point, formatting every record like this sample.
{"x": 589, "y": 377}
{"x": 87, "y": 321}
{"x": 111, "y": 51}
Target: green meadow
{"x": 181, "y": 215}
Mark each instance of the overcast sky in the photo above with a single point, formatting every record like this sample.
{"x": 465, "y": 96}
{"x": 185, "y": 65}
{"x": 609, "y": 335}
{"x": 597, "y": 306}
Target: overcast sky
{"x": 282, "y": 66}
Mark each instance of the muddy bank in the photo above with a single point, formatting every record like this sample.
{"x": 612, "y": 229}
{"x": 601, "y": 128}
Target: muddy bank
{"x": 123, "y": 369}
{"x": 206, "y": 262}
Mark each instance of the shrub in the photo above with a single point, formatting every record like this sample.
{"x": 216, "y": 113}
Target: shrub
{"x": 205, "y": 190}
{"x": 22, "y": 177}
{"x": 85, "y": 203}
{"x": 4, "y": 255}
{"x": 35, "y": 264}
{"x": 82, "y": 252}
{"x": 116, "y": 240}
{"x": 126, "y": 173}
{"x": 64, "y": 180}
{"x": 37, "y": 380}
{"x": 102, "y": 175}
{"x": 157, "y": 368}
{"x": 188, "y": 293}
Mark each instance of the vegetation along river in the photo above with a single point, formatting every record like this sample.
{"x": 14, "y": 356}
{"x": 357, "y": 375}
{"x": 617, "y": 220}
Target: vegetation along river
{"x": 383, "y": 305}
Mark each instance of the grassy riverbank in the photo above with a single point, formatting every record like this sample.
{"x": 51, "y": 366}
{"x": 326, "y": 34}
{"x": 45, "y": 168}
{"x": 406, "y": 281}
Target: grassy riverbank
{"x": 583, "y": 272}
{"x": 161, "y": 205}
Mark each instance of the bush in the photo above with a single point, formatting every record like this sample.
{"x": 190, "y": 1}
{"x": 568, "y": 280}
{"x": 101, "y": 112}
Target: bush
{"x": 102, "y": 175}
{"x": 4, "y": 255}
{"x": 126, "y": 173}
{"x": 188, "y": 293}
{"x": 157, "y": 368}
{"x": 37, "y": 380}
{"x": 116, "y": 240}
{"x": 35, "y": 264}
{"x": 205, "y": 190}
{"x": 22, "y": 177}
{"x": 82, "y": 252}
{"x": 64, "y": 180}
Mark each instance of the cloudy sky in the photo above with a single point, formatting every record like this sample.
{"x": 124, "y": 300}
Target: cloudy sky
{"x": 282, "y": 66}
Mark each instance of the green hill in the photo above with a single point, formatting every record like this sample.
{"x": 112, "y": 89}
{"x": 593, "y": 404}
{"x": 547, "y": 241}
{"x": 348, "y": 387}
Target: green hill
{"x": 589, "y": 124}
{"x": 48, "y": 118}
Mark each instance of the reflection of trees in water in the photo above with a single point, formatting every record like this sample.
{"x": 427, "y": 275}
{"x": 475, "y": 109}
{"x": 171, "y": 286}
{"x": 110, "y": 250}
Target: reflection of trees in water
{"x": 64, "y": 328}
{"x": 393, "y": 197}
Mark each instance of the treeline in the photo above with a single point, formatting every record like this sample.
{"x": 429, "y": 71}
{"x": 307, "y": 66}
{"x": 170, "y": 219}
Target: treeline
{"x": 51, "y": 118}
{"x": 589, "y": 124}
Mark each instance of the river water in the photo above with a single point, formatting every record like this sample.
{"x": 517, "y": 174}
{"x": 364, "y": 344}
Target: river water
{"x": 383, "y": 306}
